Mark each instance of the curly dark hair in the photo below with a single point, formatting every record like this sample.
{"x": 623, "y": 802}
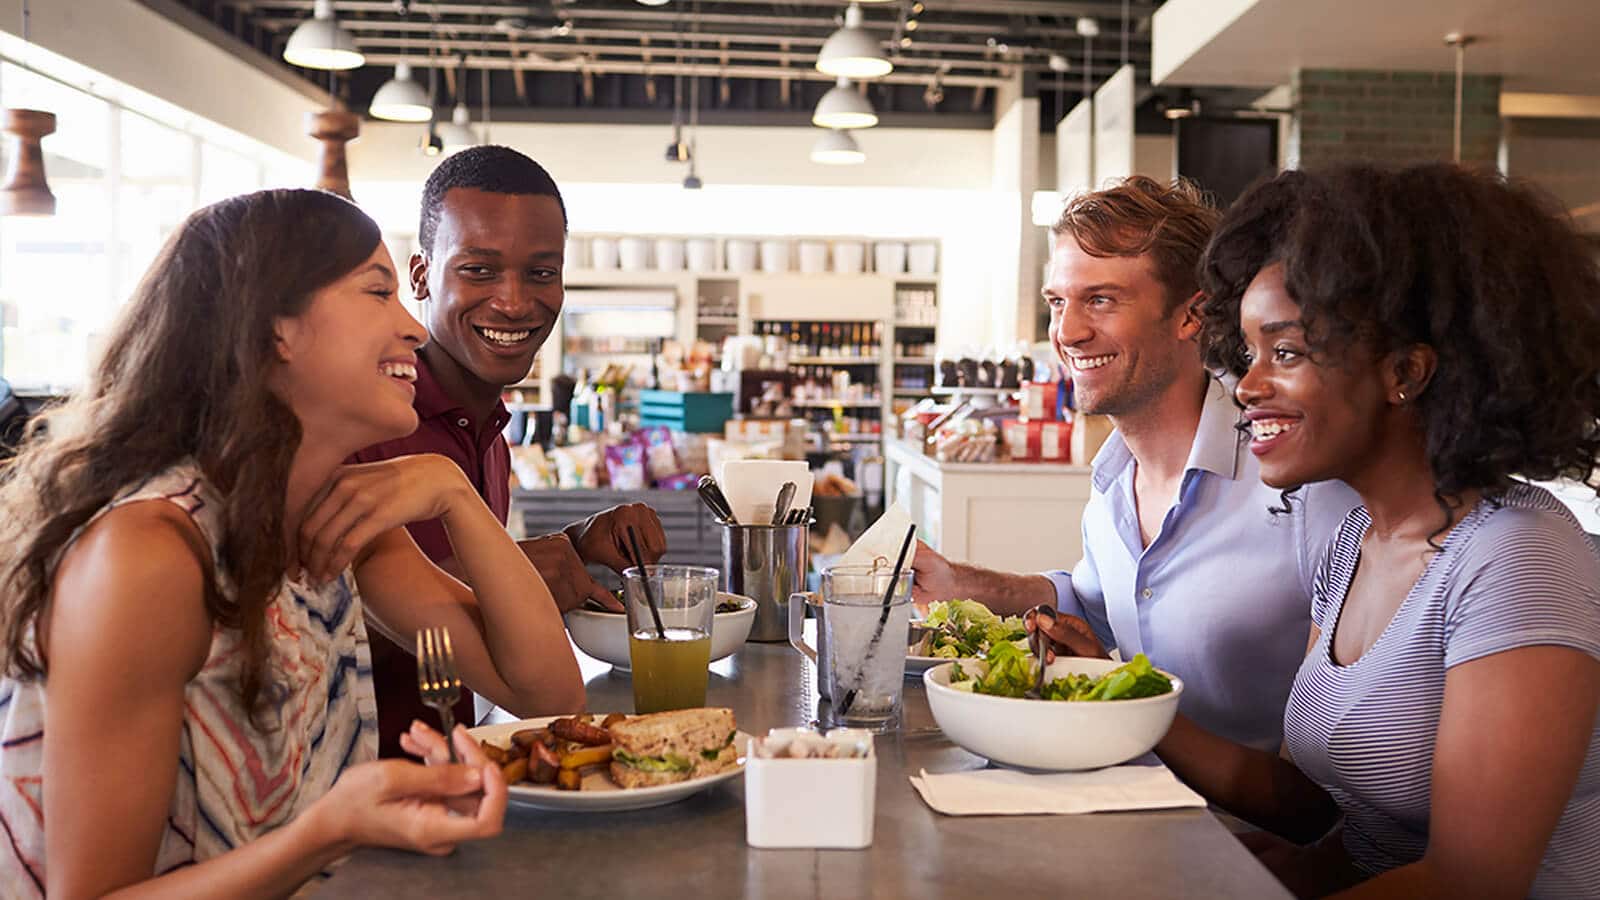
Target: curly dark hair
{"x": 1489, "y": 273}
{"x": 492, "y": 168}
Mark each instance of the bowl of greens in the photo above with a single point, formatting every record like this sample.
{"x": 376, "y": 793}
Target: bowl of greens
{"x": 1093, "y": 713}
{"x": 959, "y": 629}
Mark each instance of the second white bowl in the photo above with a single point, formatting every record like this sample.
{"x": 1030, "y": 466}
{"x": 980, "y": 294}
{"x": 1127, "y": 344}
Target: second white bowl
{"x": 604, "y": 636}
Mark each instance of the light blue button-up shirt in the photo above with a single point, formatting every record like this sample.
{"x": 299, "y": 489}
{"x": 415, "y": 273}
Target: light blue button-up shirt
{"x": 1222, "y": 597}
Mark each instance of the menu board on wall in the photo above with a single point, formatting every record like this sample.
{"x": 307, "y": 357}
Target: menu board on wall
{"x": 1113, "y": 127}
{"x": 1075, "y": 151}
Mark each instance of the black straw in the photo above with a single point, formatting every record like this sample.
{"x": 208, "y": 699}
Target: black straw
{"x": 883, "y": 618}
{"x": 637, "y": 559}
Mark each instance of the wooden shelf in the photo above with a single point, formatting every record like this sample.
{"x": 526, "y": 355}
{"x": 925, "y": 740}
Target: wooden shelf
{"x": 832, "y": 361}
{"x": 830, "y": 404}
{"x": 914, "y": 361}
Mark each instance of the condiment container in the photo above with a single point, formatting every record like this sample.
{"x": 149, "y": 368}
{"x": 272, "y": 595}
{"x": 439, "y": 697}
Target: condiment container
{"x": 816, "y": 802}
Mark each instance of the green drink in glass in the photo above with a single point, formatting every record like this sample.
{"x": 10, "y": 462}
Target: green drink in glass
{"x": 670, "y": 669}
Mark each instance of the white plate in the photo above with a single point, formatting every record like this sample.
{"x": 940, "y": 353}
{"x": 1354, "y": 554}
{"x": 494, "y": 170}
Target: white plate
{"x": 599, "y": 793}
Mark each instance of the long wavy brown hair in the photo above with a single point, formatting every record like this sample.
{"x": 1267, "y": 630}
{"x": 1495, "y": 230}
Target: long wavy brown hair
{"x": 184, "y": 376}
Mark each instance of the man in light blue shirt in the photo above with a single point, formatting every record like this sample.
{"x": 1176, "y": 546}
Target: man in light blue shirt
{"x": 1184, "y": 559}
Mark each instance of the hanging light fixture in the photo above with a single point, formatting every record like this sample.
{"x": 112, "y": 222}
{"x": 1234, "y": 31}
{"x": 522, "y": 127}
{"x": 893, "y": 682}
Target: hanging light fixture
{"x": 401, "y": 99}
{"x": 837, "y": 148}
{"x": 692, "y": 182}
{"x": 431, "y": 144}
{"x": 457, "y": 133}
{"x": 320, "y": 42}
{"x": 25, "y": 191}
{"x": 678, "y": 151}
{"x": 843, "y": 106}
{"x": 852, "y": 52}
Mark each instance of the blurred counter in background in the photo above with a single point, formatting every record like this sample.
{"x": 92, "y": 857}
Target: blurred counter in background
{"x": 1015, "y": 517}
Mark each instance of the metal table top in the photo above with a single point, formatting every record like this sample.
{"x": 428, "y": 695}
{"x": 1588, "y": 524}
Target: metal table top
{"x": 697, "y": 848}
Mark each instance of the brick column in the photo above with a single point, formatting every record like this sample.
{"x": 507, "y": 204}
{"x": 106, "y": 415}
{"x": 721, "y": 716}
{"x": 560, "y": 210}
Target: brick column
{"x": 1392, "y": 117}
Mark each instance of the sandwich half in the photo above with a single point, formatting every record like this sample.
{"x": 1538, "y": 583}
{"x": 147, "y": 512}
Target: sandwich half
{"x": 668, "y": 747}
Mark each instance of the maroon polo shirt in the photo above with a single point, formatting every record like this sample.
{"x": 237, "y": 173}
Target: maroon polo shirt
{"x": 480, "y": 450}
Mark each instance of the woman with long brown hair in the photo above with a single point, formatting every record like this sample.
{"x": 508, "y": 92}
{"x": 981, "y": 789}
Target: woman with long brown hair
{"x": 185, "y": 563}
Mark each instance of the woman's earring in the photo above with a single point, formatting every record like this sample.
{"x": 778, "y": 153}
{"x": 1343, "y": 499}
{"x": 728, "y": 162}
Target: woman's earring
{"x": 1402, "y": 396}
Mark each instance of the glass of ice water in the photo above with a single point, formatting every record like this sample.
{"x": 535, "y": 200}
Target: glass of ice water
{"x": 866, "y": 643}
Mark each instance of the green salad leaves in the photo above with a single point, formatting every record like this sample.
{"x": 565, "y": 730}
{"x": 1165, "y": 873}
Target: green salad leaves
{"x": 1009, "y": 672}
{"x": 966, "y": 628}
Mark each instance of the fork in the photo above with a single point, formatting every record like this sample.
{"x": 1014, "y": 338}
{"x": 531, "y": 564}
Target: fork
{"x": 437, "y": 679}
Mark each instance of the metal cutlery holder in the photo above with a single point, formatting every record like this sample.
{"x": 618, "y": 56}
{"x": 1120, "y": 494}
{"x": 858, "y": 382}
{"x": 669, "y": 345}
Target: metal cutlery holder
{"x": 766, "y": 563}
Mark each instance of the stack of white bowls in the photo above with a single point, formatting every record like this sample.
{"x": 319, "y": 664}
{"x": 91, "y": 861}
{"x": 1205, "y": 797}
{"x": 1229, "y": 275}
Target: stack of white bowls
{"x": 774, "y": 255}
{"x": 741, "y": 255}
{"x": 849, "y": 257}
{"x": 889, "y": 257}
{"x": 669, "y": 254}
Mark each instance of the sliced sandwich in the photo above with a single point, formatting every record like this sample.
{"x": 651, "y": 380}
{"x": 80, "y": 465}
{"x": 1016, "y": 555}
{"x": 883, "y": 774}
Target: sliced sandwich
{"x": 663, "y": 748}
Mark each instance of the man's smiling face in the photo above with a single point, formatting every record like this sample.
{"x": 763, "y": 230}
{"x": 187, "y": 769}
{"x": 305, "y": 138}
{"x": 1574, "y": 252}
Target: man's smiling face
{"x": 491, "y": 283}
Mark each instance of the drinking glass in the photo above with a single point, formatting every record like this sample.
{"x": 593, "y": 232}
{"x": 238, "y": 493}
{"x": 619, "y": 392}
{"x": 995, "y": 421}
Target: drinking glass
{"x": 866, "y": 643}
{"x": 670, "y": 671}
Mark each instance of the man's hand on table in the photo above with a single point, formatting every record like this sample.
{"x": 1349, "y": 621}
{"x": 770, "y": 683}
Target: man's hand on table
{"x": 602, "y": 539}
{"x": 563, "y": 572}
{"x": 1069, "y": 635}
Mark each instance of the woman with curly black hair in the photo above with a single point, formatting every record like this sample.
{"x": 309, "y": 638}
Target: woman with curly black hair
{"x": 1431, "y": 337}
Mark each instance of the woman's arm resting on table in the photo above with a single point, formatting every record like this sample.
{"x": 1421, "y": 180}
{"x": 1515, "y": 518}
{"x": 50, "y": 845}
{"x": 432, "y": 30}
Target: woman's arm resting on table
{"x": 1513, "y": 734}
{"x": 509, "y": 640}
{"x": 1259, "y": 787}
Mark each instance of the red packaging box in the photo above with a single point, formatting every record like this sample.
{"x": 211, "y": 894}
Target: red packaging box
{"x": 1021, "y": 439}
{"x": 1039, "y": 401}
{"x": 1054, "y": 441}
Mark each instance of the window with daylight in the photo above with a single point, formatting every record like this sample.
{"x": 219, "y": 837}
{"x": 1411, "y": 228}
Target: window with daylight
{"x": 124, "y": 181}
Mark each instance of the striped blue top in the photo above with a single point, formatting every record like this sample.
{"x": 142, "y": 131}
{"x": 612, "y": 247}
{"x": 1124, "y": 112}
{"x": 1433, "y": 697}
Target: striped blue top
{"x": 1511, "y": 575}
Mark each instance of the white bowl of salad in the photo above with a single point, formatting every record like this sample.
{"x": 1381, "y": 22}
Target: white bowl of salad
{"x": 1096, "y": 712}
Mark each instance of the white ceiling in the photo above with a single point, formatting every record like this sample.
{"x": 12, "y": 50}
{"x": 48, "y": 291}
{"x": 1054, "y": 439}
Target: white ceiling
{"x": 1538, "y": 45}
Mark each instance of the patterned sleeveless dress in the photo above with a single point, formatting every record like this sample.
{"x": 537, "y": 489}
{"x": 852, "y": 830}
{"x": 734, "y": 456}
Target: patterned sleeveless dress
{"x": 235, "y": 783}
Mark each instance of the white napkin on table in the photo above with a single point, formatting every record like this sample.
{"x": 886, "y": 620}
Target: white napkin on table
{"x": 1007, "y": 792}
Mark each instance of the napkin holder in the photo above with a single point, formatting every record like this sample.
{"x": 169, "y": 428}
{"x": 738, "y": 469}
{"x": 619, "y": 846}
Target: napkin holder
{"x": 816, "y": 803}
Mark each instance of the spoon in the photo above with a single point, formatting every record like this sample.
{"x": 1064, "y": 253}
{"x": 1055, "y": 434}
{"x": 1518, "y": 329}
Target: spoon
{"x": 711, "y": 495}
{"x": 780, "y": 510}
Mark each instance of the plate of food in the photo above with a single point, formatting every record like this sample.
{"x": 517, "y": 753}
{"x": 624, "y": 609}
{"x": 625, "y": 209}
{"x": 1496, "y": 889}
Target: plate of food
{"x": 959, "y": 629}
{"x": 590, "y": 763}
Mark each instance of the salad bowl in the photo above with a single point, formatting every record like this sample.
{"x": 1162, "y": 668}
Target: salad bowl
{"x": 1053, "y": 735}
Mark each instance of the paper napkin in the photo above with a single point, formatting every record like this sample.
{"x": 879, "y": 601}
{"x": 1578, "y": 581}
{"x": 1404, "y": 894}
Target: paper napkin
{"x": 1007, "y": 792}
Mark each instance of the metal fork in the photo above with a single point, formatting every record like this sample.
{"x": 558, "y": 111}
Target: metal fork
{"x": 437, "y": 678}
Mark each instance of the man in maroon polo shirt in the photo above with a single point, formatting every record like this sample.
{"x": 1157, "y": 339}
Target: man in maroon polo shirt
{"x": 492, "y": 236}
